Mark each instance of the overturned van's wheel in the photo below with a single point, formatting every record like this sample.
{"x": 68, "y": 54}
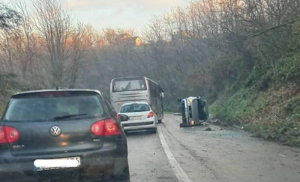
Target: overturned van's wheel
{"x": 159, "y": 121}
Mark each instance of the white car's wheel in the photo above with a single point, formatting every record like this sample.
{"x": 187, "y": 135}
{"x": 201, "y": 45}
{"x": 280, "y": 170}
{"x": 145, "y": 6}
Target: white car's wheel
{"x": 154, "y": 130}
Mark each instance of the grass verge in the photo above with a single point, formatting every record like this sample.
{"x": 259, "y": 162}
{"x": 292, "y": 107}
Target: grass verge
{"x": 273, "y": 114}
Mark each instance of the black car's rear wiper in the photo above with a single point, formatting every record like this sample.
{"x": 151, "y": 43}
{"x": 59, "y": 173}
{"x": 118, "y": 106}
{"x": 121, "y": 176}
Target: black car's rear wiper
{"x": 68, "y": 116}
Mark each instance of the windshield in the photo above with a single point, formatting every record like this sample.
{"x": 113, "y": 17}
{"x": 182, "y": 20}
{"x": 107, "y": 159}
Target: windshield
{"x": 135, "y": 108}
{"x": 129, "y": 85}
{"x": 49, "y": 108}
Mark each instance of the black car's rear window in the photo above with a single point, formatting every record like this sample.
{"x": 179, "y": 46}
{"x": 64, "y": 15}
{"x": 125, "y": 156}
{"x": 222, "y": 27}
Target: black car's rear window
{"x": 48, "y": 106}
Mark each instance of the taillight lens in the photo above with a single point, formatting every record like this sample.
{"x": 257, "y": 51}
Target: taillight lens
{"x": 106, "y": 127}
{"x": 98, "y": 128}
{"x": 111, "y": 127}
{"x": 2, "y": 134}
{"x": 150, "y": 115}
{"x": 8, "y": 134}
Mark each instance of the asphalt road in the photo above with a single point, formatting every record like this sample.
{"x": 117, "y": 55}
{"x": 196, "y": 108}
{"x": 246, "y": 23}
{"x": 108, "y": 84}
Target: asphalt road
{"x": 177, "y": 154}
{"x": 221, "y": 155}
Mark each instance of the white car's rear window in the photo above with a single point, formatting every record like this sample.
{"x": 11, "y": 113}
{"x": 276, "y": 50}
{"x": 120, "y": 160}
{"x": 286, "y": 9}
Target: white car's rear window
{"x": 134, "y": 108}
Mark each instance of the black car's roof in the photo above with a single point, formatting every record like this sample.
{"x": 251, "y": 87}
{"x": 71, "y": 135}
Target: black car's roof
{"x": 54, "y": 90}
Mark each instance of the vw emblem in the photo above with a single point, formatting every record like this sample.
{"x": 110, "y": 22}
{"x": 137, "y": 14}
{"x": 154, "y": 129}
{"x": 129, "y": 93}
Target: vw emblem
{"x": 55, "y": 131}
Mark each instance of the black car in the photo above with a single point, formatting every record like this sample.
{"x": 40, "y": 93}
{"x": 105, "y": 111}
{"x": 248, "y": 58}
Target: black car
{"x": 53, "y": 133}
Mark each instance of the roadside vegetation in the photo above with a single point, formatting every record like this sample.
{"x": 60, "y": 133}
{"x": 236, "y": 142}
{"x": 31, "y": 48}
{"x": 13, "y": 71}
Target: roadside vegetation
{"x": 243, "y": 56}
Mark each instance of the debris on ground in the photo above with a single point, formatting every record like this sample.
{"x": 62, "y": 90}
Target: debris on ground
{"x": 204, "y": 123}
{"x": 224, "y": 124}
{"x": 255, "y": 135}
{"x": 216, "y": 122}
{"x": 208, "y": 129}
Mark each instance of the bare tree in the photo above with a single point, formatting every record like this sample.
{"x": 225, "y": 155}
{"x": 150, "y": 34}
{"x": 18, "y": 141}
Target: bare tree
{"x": 54, "y": 25}
{"x": 83, "y": 39}
{"x": 65, "y": 43}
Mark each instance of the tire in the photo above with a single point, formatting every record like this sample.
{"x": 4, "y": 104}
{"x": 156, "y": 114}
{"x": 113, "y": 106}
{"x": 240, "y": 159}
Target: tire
{"x": 153, "y": 130}
{"x": 120, "y": 179}
{"x": 159, "y": 121}
{"x": 125, "y": 177}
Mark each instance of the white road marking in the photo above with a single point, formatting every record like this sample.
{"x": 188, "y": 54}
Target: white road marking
{"x": 179, "y": 172}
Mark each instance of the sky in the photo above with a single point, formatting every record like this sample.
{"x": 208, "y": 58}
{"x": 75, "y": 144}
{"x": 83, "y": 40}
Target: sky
{"x": 135, "y": 14}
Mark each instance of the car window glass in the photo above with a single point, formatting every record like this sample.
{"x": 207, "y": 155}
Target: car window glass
{"x": 129, "y": 85}
{"x": 32, "y": 109}
{"x": 134, "y": 108}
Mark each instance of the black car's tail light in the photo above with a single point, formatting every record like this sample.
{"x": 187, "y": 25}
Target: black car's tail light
{"x": 8, "y": 134}
{"x": 106, "y": 127}
{"x": 98, "y": 128}
{"x": 111, "y": 127}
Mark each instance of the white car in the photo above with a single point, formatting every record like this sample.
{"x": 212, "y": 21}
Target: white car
{"x": 141, "y": 117}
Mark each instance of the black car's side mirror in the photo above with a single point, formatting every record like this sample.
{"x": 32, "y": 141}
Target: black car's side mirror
{"x": 123, "y": 117}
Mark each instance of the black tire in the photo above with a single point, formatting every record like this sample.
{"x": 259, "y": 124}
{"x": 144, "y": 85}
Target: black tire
{"x": 153, "y": 130}
{"x": 159, "y": 121}
{"x": 125, "y": 177}
{"x": 121, "y": 179}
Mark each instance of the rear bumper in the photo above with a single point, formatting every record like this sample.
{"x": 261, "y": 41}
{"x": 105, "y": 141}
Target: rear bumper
{"x": 97, "y": 164}
{"x": 139, "y": 125}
